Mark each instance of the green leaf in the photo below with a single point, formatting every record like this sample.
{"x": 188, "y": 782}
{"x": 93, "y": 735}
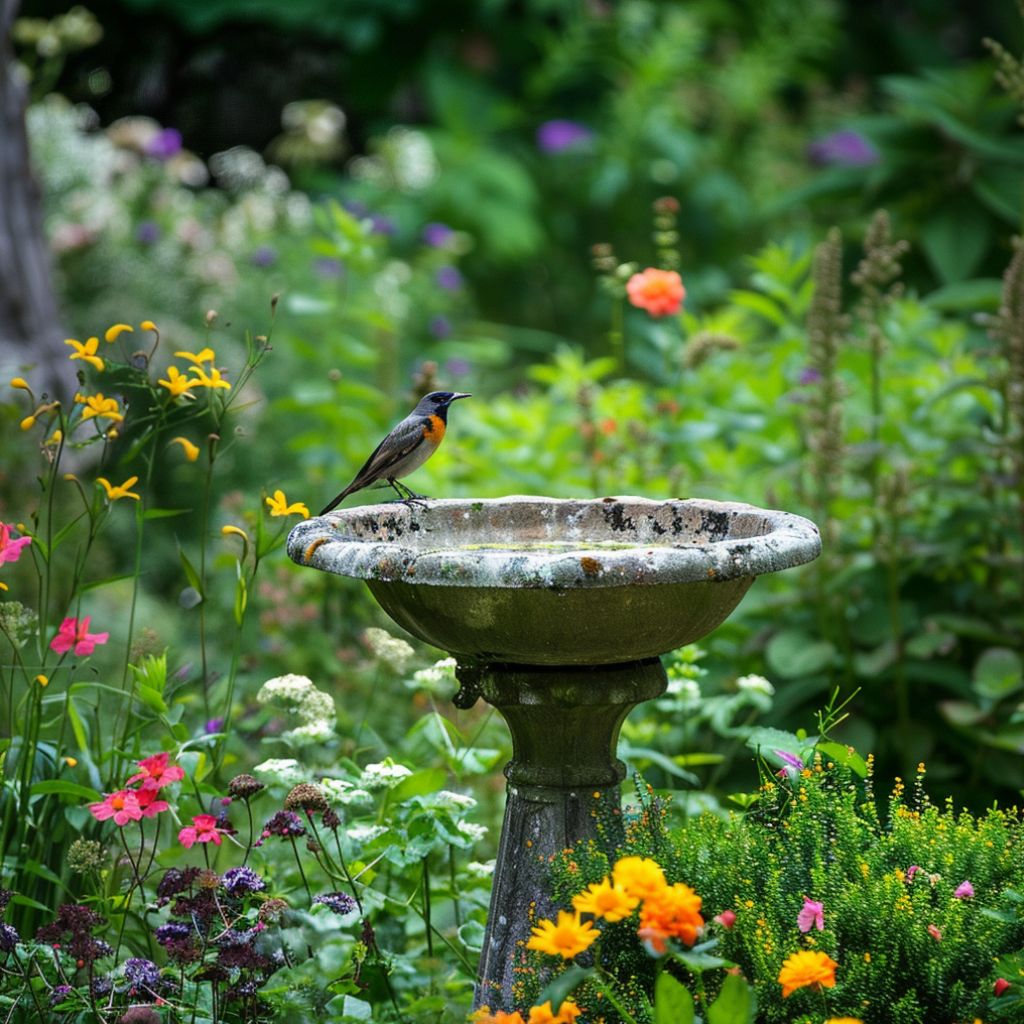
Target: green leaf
{"x": 190, "y": 572}
{"x": 151, "y": 698}
{"x": 735, "y": 1003}
{"x": 77, "y": 726}
{"x": 164, "y": 513}
{"x": 697, "y": 961}
{"x": 793, "y": 653}
{"x": 979, "y": 294}
{"x": 419, "y": 784}
{"x": 629, "y": 753}
{"x": 673, "y": 1003}
{"x": 65, "y": 788}
{"x": 955, "y": 238}
{"x": 998, "y": 673}
{"x": 844, "y": 755}
{"x": 241, "y": 597}
{"x": 564, "y": 985}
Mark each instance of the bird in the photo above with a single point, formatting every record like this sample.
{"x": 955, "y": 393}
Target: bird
{"x": 410, "y": 443}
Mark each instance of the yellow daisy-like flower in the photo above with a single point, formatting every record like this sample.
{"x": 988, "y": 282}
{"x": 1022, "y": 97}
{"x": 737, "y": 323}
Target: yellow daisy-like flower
{"x": 278, "y": 505}
{"x": 121, "y": 490}
{"x": 604, "y": 899}
{"x": 568, "y": 938}
{"x": 87, "y": 352}
{"x": 807, "y": 969}
{"x": 213, "y": 379}
{"x": 177, "y": 383}
{"x": 543, "y": 1014}
{"x": 97, "y": 405}
{"x": 115, "y": 332}
{"x": 191, "y": 451}
{"x": 198, "y": 358}
{"x": 639, "y": 876}
{"x": 845, "y": 1020}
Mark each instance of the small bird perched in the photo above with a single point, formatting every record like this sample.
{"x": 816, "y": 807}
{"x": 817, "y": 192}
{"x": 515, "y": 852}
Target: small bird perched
{"x": 406, "y": 448}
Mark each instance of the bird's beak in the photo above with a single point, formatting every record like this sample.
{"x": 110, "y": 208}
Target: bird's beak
{"x": 459, "y": 394}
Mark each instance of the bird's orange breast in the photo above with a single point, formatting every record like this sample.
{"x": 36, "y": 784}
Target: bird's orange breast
{"x": 433, "y": 429}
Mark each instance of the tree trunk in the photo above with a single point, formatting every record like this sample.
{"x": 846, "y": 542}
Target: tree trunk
{"x": 30, "y": 325}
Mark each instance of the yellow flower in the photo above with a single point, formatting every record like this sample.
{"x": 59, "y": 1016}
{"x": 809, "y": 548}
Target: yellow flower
{"x": 177, "y": 383}
{"x": 807, "y": 968}
{"x": 121, "y": 490}
{"x": 234, "y": 531}
{"x": 213, "y": 379}
{"x": 71, "y": 762}
{"x": 115, "y": 332}
{"x": 27, "y": 423}
{"x": 279, "y": 506}
{"x": 190, "y": 450}
{"x": 87, "y": 352}
{"x": 55, "y": 438}
{"x": 843, "y": 1020}
{"x": 603, "y": 899}
{"x": 97, "y": 405}
{"x": 569, "y": 937}
{"x": 205, "y": 356}
{"x": 3, "y": 586}
{"x": 148, "y": 325}
{"x": 20, "y": 382}
{"x": 639, "y": 876}
{"x": 43, "y": 680}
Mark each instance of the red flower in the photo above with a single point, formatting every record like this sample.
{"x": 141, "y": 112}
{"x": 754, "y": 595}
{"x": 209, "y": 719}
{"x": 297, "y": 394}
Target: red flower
{"x": 1000, "y": 986}
{"x": 727, "y": 918}
{"x": 202, "y": 830}
{"x": 157, "y": 773}
{"x": 74, "y": 634}
{"x": 148, "y": 802}
{"x": 122, "y": 806}
{"x": 660, "y": 292}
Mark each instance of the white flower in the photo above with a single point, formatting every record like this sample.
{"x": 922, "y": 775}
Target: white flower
{"x": 472, "y": 831}
{"x": 687, "y": 691}
{"x": 383, "y": 775}
{"x": 365, "y": 833}
{"x": 289, "y": 689}
{"x": 341, "y": 791}
{"x": 480, "y": 868}
{"x": 438, "y": 679}
{"x": 446, "y": 798}
{"x": 284, "y": 771}
{"x": 394, "y": 652}
{"x": 313, "y": 708}
{"x": 755, "y": 684}
{"x": 315, "y": 732}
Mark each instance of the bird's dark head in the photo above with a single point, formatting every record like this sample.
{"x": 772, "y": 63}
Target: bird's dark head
{"x": 437, "y": 402}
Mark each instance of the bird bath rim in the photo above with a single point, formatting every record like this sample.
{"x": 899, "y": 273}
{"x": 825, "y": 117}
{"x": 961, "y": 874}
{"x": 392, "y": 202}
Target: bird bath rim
{"x": 530, "y": 542}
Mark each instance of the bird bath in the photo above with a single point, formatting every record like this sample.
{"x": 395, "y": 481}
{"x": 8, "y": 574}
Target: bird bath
{"x": 556, "y": 612}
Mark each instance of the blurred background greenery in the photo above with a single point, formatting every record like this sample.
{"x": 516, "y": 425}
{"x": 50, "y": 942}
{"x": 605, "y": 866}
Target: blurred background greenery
{"x": 424, "y": 184}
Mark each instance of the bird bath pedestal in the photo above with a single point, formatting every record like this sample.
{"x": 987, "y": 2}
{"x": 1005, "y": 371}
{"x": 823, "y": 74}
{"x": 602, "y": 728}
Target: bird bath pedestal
{"x": 556, "y": 612}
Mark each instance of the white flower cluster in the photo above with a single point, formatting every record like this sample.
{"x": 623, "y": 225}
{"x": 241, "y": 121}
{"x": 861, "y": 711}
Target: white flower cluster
{"x": 471, "y": 830}
{"x": 755, "y": 684}
{"x": 686, "y": 691}
{"x": 383, "y": 775}
{"x": 394, "y": 652}
{"x": 313, "y": 708}
{"x": 456, "y": 801}
{"x": 438, "y": 679}
{"x": 481, "y": 868}
{"x": 284, "y": 771}
{"x": 365, "y": 833}
{"x": 341, "y": 791}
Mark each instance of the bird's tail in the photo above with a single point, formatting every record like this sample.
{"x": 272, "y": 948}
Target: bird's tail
{"x": 338, "y": 500}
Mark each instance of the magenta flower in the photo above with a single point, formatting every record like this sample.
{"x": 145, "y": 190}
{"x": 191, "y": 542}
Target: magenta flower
{"x": 811, "y": 916}
{"x": 74, "y": 633}
{"x": 202, "y": 830}
{"x": 727, "y": 918}
{"x": 911, "y": 871}
{"x": 964, "y": 891}
{"x": 157, "y": 773}
{"x": 10, "y": 550}
{"x": 148, "y": 803}
{"x": 122, "y": 806}
{"x": 560, "y": 135}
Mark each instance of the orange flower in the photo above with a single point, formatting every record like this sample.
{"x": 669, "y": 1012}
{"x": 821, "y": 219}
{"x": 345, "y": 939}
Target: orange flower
{"x": 660, "y": 292}
{"x": 484, "y": 1016}
{"x": 569, "y": 937}
{"x": 603, "y": 899}
{"x": 639, "y": 876}
{"x": 673, "y": 912}
{"x": 807, "y": 968}
{"x": 543, "y": 1014}
{"x": 843, "y": 1020}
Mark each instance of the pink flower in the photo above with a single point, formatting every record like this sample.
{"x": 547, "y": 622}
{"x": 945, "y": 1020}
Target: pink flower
{"x": 727, "y": 918}
{"x": 157, "y": 773}
{"x": 74, "y": 634}
{"x": 964, "y": 891}
{"x": 10, "y": 550}
{"x": 811, "y": 916}
{"x": 911, "y": 871}
{"x": 935, "y": 933}
{"x": 660, "y": 292}
{"x": 202, "y": 830}
{"x": 122, "y": 806}
{"x": 148, "y": 802}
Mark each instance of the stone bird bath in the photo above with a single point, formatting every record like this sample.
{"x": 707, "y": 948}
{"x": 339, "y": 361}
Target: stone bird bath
{"x": 556, "y": 612}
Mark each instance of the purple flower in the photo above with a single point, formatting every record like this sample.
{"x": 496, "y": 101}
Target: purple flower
{"x": 458, "y": 367}
{"x": 264, "y": 256}
{"x": 382, "y": 225}
{"x": 327, "y": 267}
{"x": 214, "y": 725}
{"x": 147, "y": 232}
{"x": 165, "y": 144}
{"x": 339, "y": 902}
{"x": 286, "y": 824}
{"x": 9, "y": 938}
{"x": 172, "y": 931}
{"x": 238, "y": 881}
{"x": 964, "y": 891}
{"x": 449, "y": 279}
{"x": 59, "y": 994}
{"x": 436, "y": 234}
{"x": 559, "y": 135}
{"x": 141, "y": 973}
{"x": 844, "y": 149}
{"x": 812, "y": 915}
{"x": 809, "y": 375}
{"x": 440, "y": 326}
{"x": 356, "y": 208}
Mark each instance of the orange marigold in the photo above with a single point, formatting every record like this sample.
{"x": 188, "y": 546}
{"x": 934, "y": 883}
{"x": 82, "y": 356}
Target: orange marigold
{"x": 568, "y": 938}
{"x": 543, "y": 1014}
{"x": 605, "y": 899}
{"x": 807, "y": 968}
{"x": 639, "y": 876}
{"x": 660, "y": 292}
{"x": 673, "y": 912}
{"x": 484, "y": 1016}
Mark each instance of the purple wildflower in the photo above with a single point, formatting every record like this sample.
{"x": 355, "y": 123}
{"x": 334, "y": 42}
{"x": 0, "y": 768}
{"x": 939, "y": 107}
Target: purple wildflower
{"x": 809, "y": 375}
{"x": 559, "y": 135}
{"x": 147, "y": 232}
{"x": 213, "y": 725}
{"x": 263, "y": 256}
{"x": 844, "y": 149}
{"x": 382, "y": 225}
{"x": 440, "y": 326}
{"x": 165, "y": 144}
{"x": 458, "y": 367}
{"x": 436, "y": 234}
{"x": 238, "y": 881}
{"x": 141, "y": 973}
{"x": 172, "y": 931}
{"x": 449, "y": 279}
{"x": 339, "y": 902}
{"x": 9, "y": 938}
{"x": 964, "y": 891}
{"x": 59, "y": 994}
{"x": 328, "y": 267}
{"x": 286, "y": 824}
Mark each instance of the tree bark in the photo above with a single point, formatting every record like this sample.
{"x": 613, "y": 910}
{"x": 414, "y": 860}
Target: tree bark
{"x": 31, "y": 337}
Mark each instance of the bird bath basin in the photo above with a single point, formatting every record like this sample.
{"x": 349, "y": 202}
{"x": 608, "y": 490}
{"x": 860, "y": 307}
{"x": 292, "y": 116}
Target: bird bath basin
{"x": 556, "y": 612}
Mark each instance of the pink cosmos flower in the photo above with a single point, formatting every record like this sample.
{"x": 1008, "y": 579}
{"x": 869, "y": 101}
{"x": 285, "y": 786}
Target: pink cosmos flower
{"x": 202, "y": 830}
{"x": 727, "y": 918}
{"x": 75, "y": 634}
{"x": 10, "y": 550}
{"x": 157, "y": 773}
{"x": 964, "y": 891}
{"x": 811, "y": 916}
{"x": 122, "y": 806}
{"x": 148, "y": 802}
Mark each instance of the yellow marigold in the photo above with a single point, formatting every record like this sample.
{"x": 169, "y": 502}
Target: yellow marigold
{"x": 604, "y": 899}
{"x": 97, "y": 405}
{"x": 206, "y": 355}
{"x": 808, "y": 968}
{"x": 639, "y": 876}
{"x": 278, "y": 505}
{"x": 484, "y": 1016}
{"x": 121, "y": 490}
{"x": 87, "y": 352}
{"x": 191, "y": 451}
{"x": 543, "y": 1014}
{"x": 177, "y": 383}
{"x": 673, "y": 912}
{"x": 115, "y": 332}
{"x": 568, "y": 938}
{"x": 213, "y": 379}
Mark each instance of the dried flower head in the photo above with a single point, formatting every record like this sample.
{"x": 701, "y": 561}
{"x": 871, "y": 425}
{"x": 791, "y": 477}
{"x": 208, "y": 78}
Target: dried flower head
{"x": 271, "y": 910}
{"x": 244, "y": 787}
{"x": 85, "y": 855}
{"x": 306, "y": 797}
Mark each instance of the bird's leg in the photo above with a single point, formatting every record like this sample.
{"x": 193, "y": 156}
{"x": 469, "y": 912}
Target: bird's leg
{"x": 410, "y": 497}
